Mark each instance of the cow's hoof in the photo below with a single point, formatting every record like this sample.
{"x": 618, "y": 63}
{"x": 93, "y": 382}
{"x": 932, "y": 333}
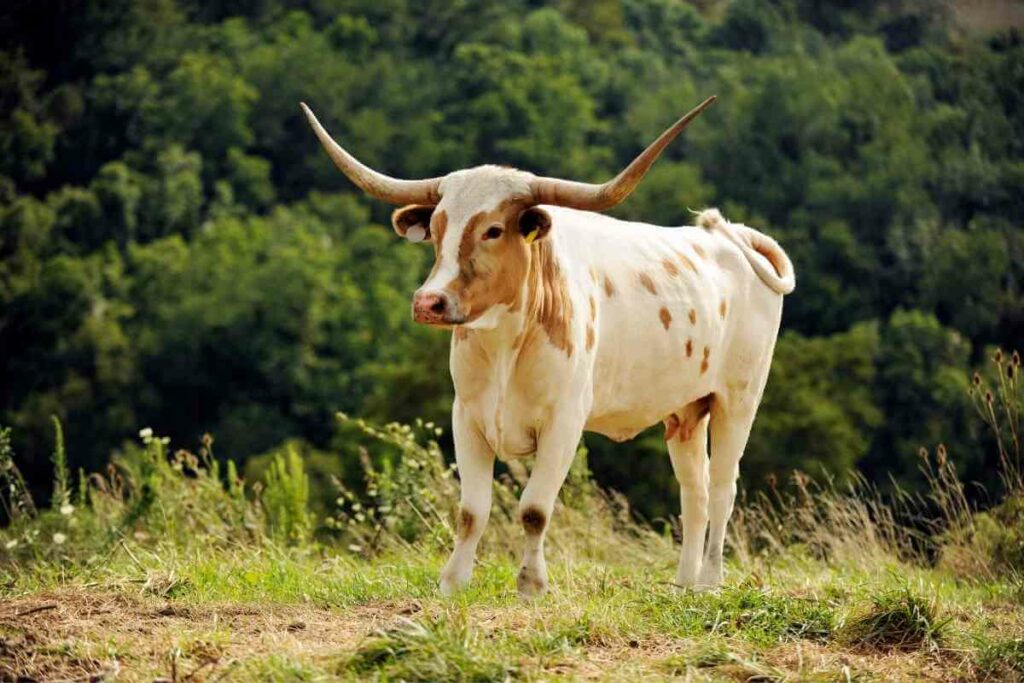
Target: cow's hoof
{"x": 451, "y": 584}
{"x": 531, "y": 584}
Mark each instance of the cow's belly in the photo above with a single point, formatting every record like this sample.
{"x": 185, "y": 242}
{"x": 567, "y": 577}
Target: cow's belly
{"x": 633, "y": 391}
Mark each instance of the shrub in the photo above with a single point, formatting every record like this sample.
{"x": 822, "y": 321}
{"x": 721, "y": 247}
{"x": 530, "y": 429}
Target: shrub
{"x": 285, "y": 499}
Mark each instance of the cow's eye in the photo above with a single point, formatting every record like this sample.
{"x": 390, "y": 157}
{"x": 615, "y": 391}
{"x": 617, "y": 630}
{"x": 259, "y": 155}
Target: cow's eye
{"x": 493, "y": 232}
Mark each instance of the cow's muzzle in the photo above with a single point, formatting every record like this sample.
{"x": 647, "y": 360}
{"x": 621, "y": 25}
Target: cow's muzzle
{"x": 434, "y": 307}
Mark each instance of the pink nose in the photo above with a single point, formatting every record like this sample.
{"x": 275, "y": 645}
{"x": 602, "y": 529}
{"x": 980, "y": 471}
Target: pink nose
{"x": 430, "y": 307}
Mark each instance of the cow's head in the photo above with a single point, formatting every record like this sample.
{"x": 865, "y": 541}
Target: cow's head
{"x": 483, "y": 223}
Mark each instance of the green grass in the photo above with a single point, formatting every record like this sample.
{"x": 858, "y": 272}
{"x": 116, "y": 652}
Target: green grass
{"x": 165, "y": 570}
{"x": 600, "y": 620}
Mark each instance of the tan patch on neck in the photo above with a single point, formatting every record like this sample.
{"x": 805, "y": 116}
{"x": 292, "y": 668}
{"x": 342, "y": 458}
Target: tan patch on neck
{"x": 689, "y": 348}
{"x": 666, "y": 317}
{"x": 700, "y": 251}
{"x": 548, "y": 299}
{"x": 704, "y": 363}
{"x": 590, "y": 337}
{"x": 609, "y": 287}
{"x": 722, "y": 308}
{"x": 687, "y": 262}
{"x": 693, "y": 316}
{"x": 461, "y": 334}
{"x": 670, "y": 267}
{"x": 648, "y": 283}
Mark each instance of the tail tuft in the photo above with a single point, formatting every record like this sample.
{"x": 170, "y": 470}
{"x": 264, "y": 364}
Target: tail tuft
{"x": 763, "y": 253}
{"x": 710, "y": 219}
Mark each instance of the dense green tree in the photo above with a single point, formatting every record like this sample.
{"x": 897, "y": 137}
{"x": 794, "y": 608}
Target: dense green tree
{"x": 176, "y": 250}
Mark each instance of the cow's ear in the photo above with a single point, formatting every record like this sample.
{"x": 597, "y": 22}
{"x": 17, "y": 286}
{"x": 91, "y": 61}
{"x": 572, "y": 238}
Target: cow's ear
{"x": 413, "y": 222}
{"x": 534, "y": 224}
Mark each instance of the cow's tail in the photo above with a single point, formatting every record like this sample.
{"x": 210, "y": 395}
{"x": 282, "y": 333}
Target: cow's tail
{"x": 765, "y": 255}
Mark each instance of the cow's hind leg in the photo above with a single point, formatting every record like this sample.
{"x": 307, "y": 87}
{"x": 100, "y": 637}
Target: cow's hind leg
{"x": 687, "y": 438}
{"x": 730, "y": 428}
{"x": 475, "y": 462}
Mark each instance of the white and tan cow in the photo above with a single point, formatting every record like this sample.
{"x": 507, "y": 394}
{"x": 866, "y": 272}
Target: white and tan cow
{"x": 566, "y": 320}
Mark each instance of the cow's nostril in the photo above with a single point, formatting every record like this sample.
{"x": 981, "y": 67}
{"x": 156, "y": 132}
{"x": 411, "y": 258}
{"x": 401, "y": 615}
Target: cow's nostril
{"x": 437, "y": 306}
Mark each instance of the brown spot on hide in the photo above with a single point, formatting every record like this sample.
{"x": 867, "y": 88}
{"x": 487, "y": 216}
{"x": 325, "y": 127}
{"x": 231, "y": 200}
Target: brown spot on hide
{"x": 690, "y": 417}
{"x": 461, "y": 334}
{"x": 689, "y": 348}
{"x": 533, "y": 521}
{"x": 593, "y": 308}
{"x": 594, "y": 275}
{"x": 648, "y": 283}
{"x": 704, "y": 363}
{"x": 666, "y": 317}
{"x": 722, "y": 308}
{"x": 670, "y": 267}
{"x": 590, "y": 337}
{"x": 465, "y": 524}
{"x": 687, "y": 262}
{"x": 693, "y": 316}
{"x": 609, "y": 287}
{"x": 700, "y": 251}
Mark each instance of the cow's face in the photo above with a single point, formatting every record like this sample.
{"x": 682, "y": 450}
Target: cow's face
{"x": 482, "y": 230}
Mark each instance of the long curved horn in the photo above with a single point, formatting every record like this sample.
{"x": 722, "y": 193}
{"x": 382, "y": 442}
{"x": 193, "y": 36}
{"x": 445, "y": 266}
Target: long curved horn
{"x": 590, "y": 197}
{"x": 371, "y": 182}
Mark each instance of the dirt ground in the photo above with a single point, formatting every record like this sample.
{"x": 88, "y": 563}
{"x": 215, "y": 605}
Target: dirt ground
{"x": 82, "y": 636}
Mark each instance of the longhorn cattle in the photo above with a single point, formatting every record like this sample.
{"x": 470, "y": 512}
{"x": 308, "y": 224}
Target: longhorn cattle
{"x": 565, "y": 320}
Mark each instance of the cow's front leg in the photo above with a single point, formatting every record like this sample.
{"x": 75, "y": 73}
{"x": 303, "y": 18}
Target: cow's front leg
{"x": 556, "y": 449}
{"x": 475, "y": 462}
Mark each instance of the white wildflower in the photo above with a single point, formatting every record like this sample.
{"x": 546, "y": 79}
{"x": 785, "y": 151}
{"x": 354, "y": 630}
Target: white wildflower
{"x": 11, "y": 544}
{"x": 146, "y": 434}
{"x": 59, "y": 538}
{"x": 356, "y": 548}
{"x": 66, "y": 509}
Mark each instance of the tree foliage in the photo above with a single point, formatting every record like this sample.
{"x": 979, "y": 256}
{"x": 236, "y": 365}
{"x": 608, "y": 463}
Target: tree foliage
{"x": 178, "y": 252}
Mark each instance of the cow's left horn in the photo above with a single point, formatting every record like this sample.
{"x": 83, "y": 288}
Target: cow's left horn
{"x": 371, "y": 182}
{"x": 590, "y": 197}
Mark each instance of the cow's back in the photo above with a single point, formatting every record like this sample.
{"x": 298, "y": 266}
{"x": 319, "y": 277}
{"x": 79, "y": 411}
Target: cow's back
{"x": 678, "y": 314}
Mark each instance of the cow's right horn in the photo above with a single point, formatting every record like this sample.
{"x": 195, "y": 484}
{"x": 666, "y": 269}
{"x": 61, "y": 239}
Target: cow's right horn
{"x": 591, "y": 197}
{"x": 386, "y": 188}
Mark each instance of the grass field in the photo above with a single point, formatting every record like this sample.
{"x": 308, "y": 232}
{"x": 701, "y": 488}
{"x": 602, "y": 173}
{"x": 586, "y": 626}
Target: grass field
{"x": 282, "y": 616}
{"x": 170, "y": 567}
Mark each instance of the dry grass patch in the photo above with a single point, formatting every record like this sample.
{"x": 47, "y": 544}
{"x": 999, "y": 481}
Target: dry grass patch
{"x": 80, "y": 634}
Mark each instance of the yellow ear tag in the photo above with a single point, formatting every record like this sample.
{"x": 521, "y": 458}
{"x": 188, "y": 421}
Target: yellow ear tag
{"x": 531, "y": 236}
